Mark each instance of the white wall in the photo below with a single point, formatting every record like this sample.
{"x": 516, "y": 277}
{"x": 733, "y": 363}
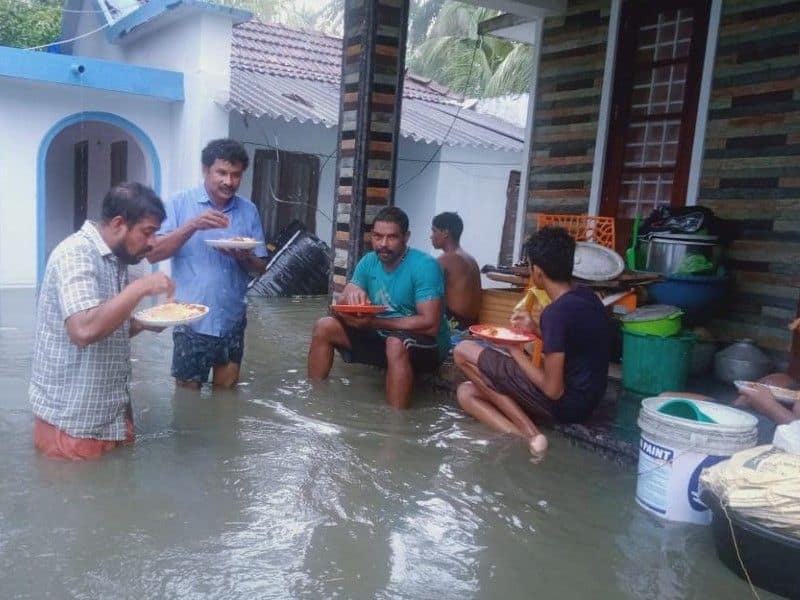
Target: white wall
{"x": 59, "y": 183}
{"x": 416, "y": 193}
{"x": 197, "y": 45}
{"x": 96, "y": 44}
{"x": 60, "y": 174}
{"x": 292, "y": 137}
{"x": 28, "y": 110}
{"x": 472, "y": 186}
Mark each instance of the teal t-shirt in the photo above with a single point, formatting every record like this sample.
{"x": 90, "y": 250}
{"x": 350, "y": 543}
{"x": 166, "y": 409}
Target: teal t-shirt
{"x": 418, "y": 278}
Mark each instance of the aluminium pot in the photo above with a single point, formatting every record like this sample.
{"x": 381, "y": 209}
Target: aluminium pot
{"x": 742, "y": 361}
{"x": 665, "y": 253}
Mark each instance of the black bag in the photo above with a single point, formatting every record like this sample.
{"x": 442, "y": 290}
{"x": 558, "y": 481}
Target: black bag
{"x": 687, "y": 219}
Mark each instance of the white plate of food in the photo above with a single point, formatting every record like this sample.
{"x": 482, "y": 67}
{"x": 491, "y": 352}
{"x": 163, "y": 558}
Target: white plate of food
{"x": 239, "y": 242}
{"x": 171, "y": 313}
{"x": 780, "y": 394}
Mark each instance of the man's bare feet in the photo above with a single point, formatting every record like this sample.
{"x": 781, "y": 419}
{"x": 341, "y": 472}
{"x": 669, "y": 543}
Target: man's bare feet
{"x": 538, "y": 447}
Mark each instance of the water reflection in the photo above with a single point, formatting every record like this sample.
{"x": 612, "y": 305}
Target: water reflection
{"x": 280, "y": 489}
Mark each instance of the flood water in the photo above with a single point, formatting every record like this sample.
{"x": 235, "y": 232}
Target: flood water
{"x": 278, "y": 490}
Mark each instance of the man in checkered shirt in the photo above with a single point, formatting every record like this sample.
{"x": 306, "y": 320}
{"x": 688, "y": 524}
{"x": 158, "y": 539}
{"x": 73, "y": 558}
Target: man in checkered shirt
{"x": 81, "y": 356}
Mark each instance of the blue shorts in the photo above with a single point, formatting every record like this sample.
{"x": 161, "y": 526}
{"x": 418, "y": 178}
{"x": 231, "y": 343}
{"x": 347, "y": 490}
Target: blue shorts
{"x": 195, "y": 353}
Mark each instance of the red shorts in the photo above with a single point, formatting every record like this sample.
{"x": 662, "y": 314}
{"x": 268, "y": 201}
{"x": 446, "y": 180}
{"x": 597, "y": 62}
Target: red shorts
{"x": 55, "y": 443}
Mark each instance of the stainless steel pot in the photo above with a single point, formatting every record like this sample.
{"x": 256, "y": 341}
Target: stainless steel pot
{"x": 741, "y": 361}
{"x": 665, "y": 253}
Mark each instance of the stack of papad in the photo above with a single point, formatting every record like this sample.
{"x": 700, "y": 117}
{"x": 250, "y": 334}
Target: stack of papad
{"x": 761, "y": 484}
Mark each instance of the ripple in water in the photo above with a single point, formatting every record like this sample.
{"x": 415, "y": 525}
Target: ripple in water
{"x": 282, "y": 489}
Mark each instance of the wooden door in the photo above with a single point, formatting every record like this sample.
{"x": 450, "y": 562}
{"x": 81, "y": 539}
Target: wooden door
{"x": 507, "y": 250}
{"x": 285, "y": 187}
{"x": 660, "y": 52}
{"x": 80, "y": 184}
{"x": 119, "y": 162}
{"x": 297, "y": 188}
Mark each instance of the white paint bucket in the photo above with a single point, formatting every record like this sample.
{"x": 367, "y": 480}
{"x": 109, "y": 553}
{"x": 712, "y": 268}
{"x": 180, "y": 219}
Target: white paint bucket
{"x": 674, "y": 450}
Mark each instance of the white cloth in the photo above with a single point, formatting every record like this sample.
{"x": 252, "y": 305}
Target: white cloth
{"x": 787, "y": 437}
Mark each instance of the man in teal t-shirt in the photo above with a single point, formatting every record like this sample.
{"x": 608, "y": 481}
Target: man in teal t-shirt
{"x": 411, "y": 335}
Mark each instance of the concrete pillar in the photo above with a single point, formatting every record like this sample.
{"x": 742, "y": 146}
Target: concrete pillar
{"x": 373, "y": 61}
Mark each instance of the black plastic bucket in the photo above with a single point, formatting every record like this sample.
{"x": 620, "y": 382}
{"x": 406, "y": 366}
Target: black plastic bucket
{"x": 771, "y": 558}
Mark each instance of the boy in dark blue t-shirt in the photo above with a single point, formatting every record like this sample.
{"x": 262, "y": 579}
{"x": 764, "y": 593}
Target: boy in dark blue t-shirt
{"x": 506, "y": 391}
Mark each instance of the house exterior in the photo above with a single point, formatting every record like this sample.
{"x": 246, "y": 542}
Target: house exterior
{"x": 137, "y": 88}
{"x": 68, "y": 118}
{"x": 640, "y": 104}
{"x": 284, "y": 106}
{"x": 722, "y": 87}
{"x": 634, "y": 104}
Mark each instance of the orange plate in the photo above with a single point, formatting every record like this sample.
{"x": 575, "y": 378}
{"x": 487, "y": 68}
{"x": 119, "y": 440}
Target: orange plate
{"x": 358, "y": 309}
{"x": 494, "y": 333}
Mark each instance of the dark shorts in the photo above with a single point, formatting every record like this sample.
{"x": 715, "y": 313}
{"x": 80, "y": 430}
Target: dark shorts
{"x": 504, "y": 375}
{"x": 368, "y": 347}
{"x": 195, "y": 353}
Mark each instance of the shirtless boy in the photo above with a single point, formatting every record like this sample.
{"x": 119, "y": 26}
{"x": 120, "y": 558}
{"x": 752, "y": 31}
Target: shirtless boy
{"x": 461, "y": 271}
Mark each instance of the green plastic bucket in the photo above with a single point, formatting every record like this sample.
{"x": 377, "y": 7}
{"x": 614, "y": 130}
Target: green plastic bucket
{"x": 652, "y": 364}
{"x": 658, "y": 319}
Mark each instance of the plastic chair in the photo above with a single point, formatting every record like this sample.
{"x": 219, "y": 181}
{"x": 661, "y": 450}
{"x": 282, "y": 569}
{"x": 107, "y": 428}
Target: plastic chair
{"x": 583, "y": 228}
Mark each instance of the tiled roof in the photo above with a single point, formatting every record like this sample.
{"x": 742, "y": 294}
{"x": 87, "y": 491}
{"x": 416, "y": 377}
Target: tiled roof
{"x": 293, "y": 74}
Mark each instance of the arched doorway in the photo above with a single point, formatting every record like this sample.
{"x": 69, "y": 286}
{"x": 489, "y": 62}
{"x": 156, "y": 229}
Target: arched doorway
{"x": 80, "y": 158}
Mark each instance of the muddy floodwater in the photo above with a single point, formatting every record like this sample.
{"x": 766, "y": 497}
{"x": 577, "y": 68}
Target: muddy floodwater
{"x": 280, "y": 490}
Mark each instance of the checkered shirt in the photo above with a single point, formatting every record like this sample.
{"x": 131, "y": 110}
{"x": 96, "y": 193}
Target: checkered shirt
{"x": 82, "y": 391}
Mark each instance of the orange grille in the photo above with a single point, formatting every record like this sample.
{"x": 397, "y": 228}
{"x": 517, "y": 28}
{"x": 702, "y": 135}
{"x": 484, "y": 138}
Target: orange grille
{"x": 583, "y": 228}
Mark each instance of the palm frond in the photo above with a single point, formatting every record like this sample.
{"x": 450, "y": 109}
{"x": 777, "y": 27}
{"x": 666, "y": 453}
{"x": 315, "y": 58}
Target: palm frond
{"x": 513, "y": 74}
{"x": 422, "y": 14}
{"x": 457, "y": 18}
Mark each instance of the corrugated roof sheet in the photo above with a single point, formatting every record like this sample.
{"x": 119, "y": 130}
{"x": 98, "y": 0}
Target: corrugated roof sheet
{"x": 294, "y": 75}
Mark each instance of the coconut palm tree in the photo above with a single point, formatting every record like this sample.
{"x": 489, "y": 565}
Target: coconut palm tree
{"x": 453, "y": 54}
{"x": 290, "y": 13}
{"x": 420, "y": 15}
{"x": 442, "y": 43}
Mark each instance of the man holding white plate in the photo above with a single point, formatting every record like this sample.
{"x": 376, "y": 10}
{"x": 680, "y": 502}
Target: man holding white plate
{"x": 81, "y": 353}
{"x": 216, "y": 243}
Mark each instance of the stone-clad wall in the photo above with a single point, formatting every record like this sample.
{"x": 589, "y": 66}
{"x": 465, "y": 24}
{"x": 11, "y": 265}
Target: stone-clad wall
{"x": 751, "y": 167}
{"x": 751, "y": 163}
{"x": 567, "y": 108}
{"x": 373, "y": 59}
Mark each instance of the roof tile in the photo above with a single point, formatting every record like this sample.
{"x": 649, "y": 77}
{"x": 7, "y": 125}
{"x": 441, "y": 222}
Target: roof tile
{"x": 294, "y": 74}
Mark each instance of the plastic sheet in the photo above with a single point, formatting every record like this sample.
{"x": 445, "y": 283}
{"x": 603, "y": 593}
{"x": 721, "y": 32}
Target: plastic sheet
{"x": 301, "y": 266}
